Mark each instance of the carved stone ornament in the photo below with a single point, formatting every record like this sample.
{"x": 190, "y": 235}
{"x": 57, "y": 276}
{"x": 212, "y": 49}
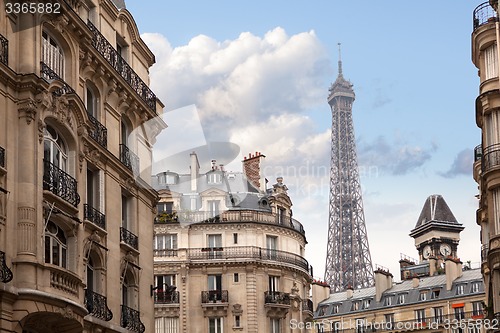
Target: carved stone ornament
{"x": 27, "y": 109}
{"x": 237, "y": 309}
{"x": 62, "y": 110}
{"x": 41, "y": 130}
{"x": 66, "y": 312}
{"x": 60, "y": 22}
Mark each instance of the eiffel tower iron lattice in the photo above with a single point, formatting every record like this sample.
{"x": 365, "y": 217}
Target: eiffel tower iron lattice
{"x": 348, "y": 260}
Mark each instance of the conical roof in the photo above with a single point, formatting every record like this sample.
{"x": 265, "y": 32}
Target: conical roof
{"x": 341, "y": 86}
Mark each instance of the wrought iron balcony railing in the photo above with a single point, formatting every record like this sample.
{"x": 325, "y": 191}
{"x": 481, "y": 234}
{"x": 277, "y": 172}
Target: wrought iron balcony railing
{"x": 491, "y": 157}
{"x": 214, "y": 296}
{"x": 129, "y": 238}
{"x": 478, "y": 153}
{"x": 60, "y": 183}
{"x": 276, "y": 297}
{"x": 483, "y": 14}
{"x": 230, "y": 216}
{"x": 131, "y": 320}
{"x": 129, "y": 159}
{"x": 4, "y": 50}
{"x": 165, "y": 297}
{"x": 5, "y": 272}
{"x": 97, "y": 305}
{"x": 101, "y": 44}
{"x": 99, "y": 133}
{"x": 307, "y": 305}
{"x": 93, "y": 215}
{"x": 237, "y": 253}
{"x": 2, "y": 157}
{"x": 49, "y": 75}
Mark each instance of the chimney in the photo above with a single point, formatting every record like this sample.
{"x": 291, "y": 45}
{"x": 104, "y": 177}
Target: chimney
{"x": 415, "y": 282}
{"x": 253, "y": 171}
{"x": 349, "y": 292}
{"x": 383, "y": 282}
{"x": 320, "y": 291}
{"x": 195, "y": 172}
{"x": 453, "y": 269}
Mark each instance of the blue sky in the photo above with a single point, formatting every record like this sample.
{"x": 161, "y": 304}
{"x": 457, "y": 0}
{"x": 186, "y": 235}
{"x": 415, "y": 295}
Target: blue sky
{"x": 257, "y": 73}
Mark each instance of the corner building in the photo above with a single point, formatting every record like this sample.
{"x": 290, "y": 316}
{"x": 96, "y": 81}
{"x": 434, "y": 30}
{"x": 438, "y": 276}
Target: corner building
{"x": 228, "y": 255}
{"x": 73, "y": 91}
{"x": 485, "y": 55}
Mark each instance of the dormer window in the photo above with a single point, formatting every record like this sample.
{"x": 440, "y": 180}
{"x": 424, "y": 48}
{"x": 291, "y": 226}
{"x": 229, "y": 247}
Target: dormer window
{"x": 401, "y": 298}
{"x": 423, "y": 295}
{"x": 476, "y": 286}
{"x": 355, "y": 306}
{"x": 335, "y": 308}
{"x": 168, "y": 178}
{"x": 435, "y": 293}
{"x": 460, "y": 289}
{"x": 214, "y": 178}
{"x": 366, "y": 303}
{"x": 388, "y": 300}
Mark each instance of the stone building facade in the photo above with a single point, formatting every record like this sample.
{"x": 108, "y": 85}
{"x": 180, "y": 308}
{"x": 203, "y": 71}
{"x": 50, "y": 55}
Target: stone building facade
{"x": 229, "y": 257}
{"x": 73, "y": 91}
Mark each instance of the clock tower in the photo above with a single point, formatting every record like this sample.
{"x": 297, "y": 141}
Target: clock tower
{"x": 437, "y": 231}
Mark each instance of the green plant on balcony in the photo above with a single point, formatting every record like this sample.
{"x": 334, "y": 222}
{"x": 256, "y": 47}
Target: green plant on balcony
{"x": 165, "y": 217}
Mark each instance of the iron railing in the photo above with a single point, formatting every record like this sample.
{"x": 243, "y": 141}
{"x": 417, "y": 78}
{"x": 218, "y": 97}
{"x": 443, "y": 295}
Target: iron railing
{"x": 4, "y": 50}
{"x": 97, "y": 305}
{"x": 478, "y": 153}
{"x": 491, "y": 157}
{"x": 129, "y": 159}
{"x": 93, "y": 215}
{"x": 276, "y": 297}
{"x": 307, "y": 305}
{"x": 483, "y": 14}
{"x": 101, "y": 44}
{"x": 230, "y": 216}
{"x": 99, "y": 132}
{"x": 165, "y": 297}
{"x": 131, "y": 320}
{"x": 214, "y": 296}
{"x": 247, "y": 252}
{"x": 60, "y": 183}
{"x": 129, "y": 238}
{"x": 5, "y": 272}
{"x": 49, "y": 75}
{"x": 2, "y": 157}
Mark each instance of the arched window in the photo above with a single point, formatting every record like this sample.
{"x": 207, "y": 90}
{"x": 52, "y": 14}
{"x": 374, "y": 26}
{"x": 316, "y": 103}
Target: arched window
{"x": 52, "y": 54}
{"x": 54, "y": 148}
{"x": 127, "y": 289}
{"x": 56, "y": 245}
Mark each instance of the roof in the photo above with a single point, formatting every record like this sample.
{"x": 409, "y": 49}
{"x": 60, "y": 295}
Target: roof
{"x": 468, "y": 278}
{"x": 436, "y": 210}
{"x": 119, "y": 3}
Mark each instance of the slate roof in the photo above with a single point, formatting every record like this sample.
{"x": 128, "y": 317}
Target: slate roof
{"x": 436, "y": 209}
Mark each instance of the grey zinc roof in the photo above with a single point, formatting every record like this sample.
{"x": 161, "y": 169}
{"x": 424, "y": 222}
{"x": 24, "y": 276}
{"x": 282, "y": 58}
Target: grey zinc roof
{"x": 425, "y": 283}
{"x": 436, "y": 209}
{"x": 119, "y": 3}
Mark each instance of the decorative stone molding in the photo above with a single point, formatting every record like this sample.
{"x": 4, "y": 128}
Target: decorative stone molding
{"x": 27, "y": 109}
{"x": 26, "y": 231}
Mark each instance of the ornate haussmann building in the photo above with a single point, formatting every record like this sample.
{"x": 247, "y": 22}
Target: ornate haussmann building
{"x": 437, "y": 293}
{"x": 228, "y": 255}
{"x": 485, "y": 55}
{"x": 73, "y": 91}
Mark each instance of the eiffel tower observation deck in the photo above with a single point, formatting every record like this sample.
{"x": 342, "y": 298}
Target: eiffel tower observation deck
{"x": 348, "y": 260}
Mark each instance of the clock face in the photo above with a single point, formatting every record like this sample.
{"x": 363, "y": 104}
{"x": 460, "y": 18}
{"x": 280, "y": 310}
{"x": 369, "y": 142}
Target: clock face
{"x": 426, "y": 253}
{"x": 445, "y": 249}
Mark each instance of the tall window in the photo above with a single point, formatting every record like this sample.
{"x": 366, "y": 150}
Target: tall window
{"x": 165, "y": 207}
{"x": 165, "y": 244}
{"x": 91, "y": 275}
{"x": 420, "y": 315}
{"x": 54, "y": 148}
{"x": 125, "y": 212}
{"x": 491, "y": 62}
{"x": 272, "y": 246}
{"x": 164, "y": 281}
{"x": 93, "y": 193}
{"x": 459, "y": 313}
{"x": 215, "y": 325}
{"x": 213, "y": 207}
{"x": 273, "y": 283}
{"x": 56, "y": 245}
{"x": 91, "y": 102}
{"x": 281, "y": 215}
{"x": 438, "y": 314}
{"x": 360, "y": 325}
{"x": 215, "y": 287}
{"x": 124, "y": 133}
{"x": 477, "y": 308}
{"x": 275, "y": 325}
{"x": 215, "y": 241}
{"x": 52, "y": 54}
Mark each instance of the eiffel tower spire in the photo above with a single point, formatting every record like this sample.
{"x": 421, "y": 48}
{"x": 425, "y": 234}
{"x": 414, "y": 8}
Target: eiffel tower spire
{"x": 348, "y": 260}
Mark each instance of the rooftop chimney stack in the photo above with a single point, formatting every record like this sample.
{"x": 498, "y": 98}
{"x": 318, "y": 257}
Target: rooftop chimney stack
{"x": 253, "y": 171}
{"x": 383, "y": 282}
{"x": 453, "y": 270}
{"x": 195, "y": 171}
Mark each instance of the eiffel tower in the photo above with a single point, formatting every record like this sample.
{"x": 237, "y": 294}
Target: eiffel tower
{"x": 348, "y": 260}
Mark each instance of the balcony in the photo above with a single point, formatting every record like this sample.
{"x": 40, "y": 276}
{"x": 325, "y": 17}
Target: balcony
{"x": 2, "y": 157}
{"x": 4, "y": 50}
{"x": 491, "y": 157}
{"x": 5, "y": 273}
{"x": 478, "y": 153}
{"x": 101, "y": 44}
{"x": 483, "y": 14}
{"x": 99, "y": 133}
{"x": 240, "y": 253}
{"x": 129, "y": 238}
{"x": 130, "y": 320}
{"x": 307, "y": 306}
{"x": 60, "y": 183}
{"x": 276, "y": 303}
{"x": 97, "y": 306}
{"x": 49, "y": 75}
{"x": 129, "y": 159}
{"x": 93, "y": 215}
{"x": 215, "y": 303}
{"x": 166, "y": 297}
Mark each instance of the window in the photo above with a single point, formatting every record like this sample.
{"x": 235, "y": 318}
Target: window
{"x": 167, "y": 324}
{"x": 166, "y": 244}
{"x": 401, "y": 298}
{"x": 360, "y": 325}
{"x": 215, "y": 245}
{"x": 54, "y": 148}
{"x": 366, "y": 303}
{"x": 423, "y": 295}
{"x": 491, "y": 62}
{"x": 435, "y": 293}
{"x": 164, "y": 281}
{"x": 237, "y": 321}
{"x": 91, "y": 275}
{"x": 281, "y": 215}
{"x": 124, "y": 133}
{"x": 213, "y": 207}
{"x": 322, "y": 310}
{"x": 125, "y": 212}
{"x": 275, "y": 325}
{"x": 460, "y": 289}
{"x": 215, "y": 287}
{"x": 477, "y": 309}
{"x": 52, "y": 54}
{"x": 167, "y": 179}
{"x": 273, "y": 283}
{"x": 335, "y": 308}
{"x": 389, "y": 318}
{"x": 236, "y": 277}
{"x": 128, "y": 290}
{"x": 476, "y": 286}
{"x": 215, "y": 325}
{"x": 438, "y": 314}
{"x": 91, "y": 102}
{"x": 235, "y": 238}
{"x": 355, "y": 306}
{"x": 388, "y": 300}
{"x": 165, "y": 207}
{"x": 336, "y": 326}
{"x": 214, "y": 178}
{"x": 420, "y": 315}
{"x": 93, "y": 192}
{"x": 272, "y": 246}
{"x": 459, "y": 313}
{"x": 56, "y": 245}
